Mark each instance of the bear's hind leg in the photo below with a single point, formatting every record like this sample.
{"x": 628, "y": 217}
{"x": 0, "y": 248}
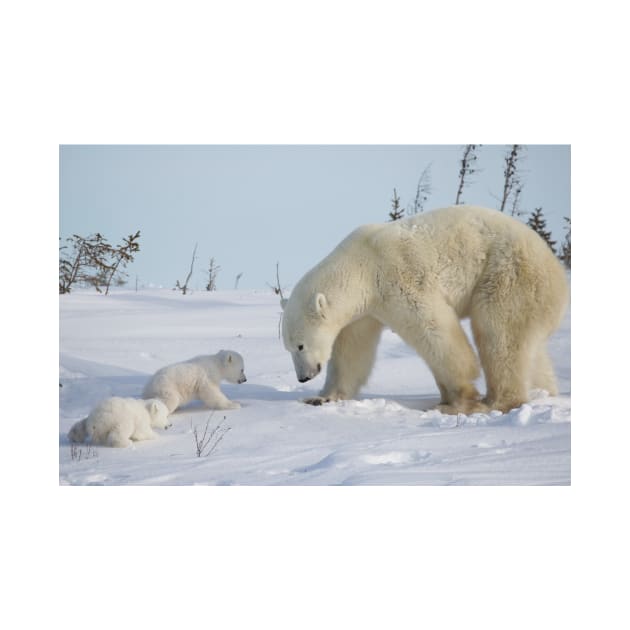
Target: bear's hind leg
{"x": 516, "y": 306}
{"x": 505, "y": 351}
{"x": 351, "y": 361}
{"x": 542, "y": 374}
{"x": 170, "y": 398}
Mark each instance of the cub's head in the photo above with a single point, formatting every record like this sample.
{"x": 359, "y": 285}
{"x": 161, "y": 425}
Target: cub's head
{"x": 159, "y": 413}
{"x": 233, "y": 366}
{"x": 307, "y": 333}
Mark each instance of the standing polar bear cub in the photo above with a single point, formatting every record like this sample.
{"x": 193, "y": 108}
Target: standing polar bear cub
{"x": 420, "y": 276}
{"x": 119, "y": 421}
{"x": 197, "y": 379}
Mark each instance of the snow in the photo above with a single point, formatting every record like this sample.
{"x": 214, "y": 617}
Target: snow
{"x": 110, "y": 345}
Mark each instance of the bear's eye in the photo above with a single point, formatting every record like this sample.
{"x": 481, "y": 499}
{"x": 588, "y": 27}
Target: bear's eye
{"x": 300, "y": 347}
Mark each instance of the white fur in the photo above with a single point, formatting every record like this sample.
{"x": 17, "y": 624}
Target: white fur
{"x": 197, "y": 379}
{"x": 119, "y": 421}
{"x": 420, "y": 276}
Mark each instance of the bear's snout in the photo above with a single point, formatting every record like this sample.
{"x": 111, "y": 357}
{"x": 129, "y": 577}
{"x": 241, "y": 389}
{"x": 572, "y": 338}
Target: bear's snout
{"x": 303, "y": 377}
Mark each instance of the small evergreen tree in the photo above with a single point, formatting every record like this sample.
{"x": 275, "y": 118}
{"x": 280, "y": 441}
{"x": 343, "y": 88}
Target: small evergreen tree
{"x": 516, "y": 196}
{"x": 94, "y": 262}
{"x": 213, "y": 271}
{"x": 97, "y": 252}
{"x": 466, "y": 169}
{"x": 119, "y": 258}
{"x": 538, "y": 223}
{"x": 423, "y": 190}
{"x": 511, "y": 178}
{"x": 396, "y": 212}
{"x": 565, "y": 248}
{"x": 65, "y": 271}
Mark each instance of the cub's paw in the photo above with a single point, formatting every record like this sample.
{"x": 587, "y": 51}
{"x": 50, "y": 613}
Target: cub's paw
{"x": 233, "y": 405}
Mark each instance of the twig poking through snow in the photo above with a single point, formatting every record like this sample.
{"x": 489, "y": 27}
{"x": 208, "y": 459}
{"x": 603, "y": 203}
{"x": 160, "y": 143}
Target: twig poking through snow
{"x": 76, "y": 452}
{"x": 278, "y": 291}
{"x": 205, "y": 442}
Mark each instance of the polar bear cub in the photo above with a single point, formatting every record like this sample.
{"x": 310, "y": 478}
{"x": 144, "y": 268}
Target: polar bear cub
{"x": 119, "y": 421}
{"x": 197, "y": 379}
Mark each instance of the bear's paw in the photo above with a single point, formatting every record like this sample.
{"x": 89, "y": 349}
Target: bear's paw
{"x": 316, "y": 400}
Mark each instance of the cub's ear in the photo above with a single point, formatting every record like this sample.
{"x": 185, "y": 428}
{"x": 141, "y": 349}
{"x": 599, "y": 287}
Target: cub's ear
{"x": 153, "y": 407}
{"x": 320, "y": 304}
{"x": 283, "y": 302}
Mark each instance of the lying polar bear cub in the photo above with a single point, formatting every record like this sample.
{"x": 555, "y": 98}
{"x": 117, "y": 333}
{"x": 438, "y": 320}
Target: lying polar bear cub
{"x": 119, "y": 421}
{"x": 197, "y": 379}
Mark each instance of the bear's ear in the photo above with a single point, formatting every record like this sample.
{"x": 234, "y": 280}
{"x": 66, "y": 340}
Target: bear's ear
{"x": 283, "y": 302}
{"x": 153, "y": 407}
{"x": 320, "y": 304}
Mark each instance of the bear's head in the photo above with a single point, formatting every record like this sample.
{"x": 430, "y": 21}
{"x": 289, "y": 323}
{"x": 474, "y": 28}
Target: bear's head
{"x": 308, "y": 333}
{"x": 233, "y": 366}
{"x": 158, "y": 412}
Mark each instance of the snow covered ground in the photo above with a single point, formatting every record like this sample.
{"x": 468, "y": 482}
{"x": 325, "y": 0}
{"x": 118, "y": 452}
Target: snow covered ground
{"x": 109, "y": 345}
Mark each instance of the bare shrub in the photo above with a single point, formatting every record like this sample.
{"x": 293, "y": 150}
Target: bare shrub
{"x": 207, "y": 441}
{"x": 77, "y": 452}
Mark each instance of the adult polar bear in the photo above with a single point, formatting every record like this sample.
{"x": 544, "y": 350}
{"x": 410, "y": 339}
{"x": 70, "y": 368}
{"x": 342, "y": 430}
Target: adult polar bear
{"x": 420, "y": 276}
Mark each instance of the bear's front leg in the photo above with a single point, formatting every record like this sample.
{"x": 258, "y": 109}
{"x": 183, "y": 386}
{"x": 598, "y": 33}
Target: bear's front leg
{"x": 118, "y": 439}
{"x": 351, "y": 361}
{"x": 441, "y": 341}
{"x": 143, "y": 431}
{"x": 213, "y": 398}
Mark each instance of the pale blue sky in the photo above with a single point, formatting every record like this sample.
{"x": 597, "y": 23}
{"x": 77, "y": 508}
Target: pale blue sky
{"x": 252, "y": 206}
